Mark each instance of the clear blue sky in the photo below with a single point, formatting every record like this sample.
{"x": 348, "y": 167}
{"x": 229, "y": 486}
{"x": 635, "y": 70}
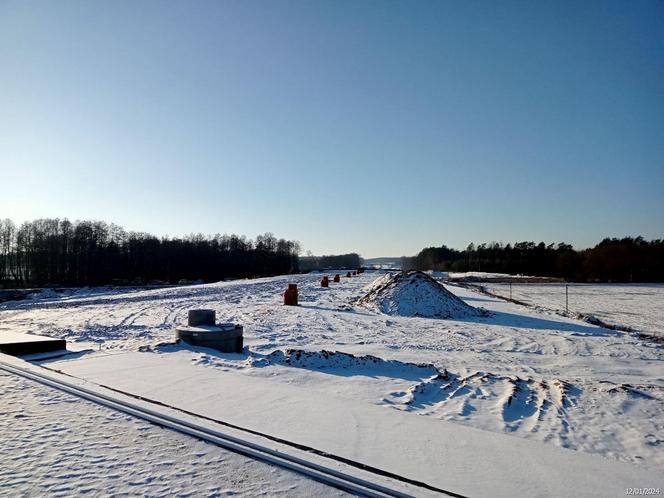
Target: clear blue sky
{"x": 372, "y": 126}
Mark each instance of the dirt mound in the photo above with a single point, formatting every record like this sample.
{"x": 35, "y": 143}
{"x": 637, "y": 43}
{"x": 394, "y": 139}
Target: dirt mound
{"x": 338, "y": 360}
{"x": 414, "y": 293}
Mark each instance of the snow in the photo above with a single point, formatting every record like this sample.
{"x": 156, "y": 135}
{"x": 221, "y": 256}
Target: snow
{"x": 417, "y": 396}
{"x": 638, "y": 306}
{"x": 414, "y": 293}
{"x": 479, "y": 274}
{"x": 8, "y": 337}
{"x": 300, "y": 406}
{"x": 55, "y": 444}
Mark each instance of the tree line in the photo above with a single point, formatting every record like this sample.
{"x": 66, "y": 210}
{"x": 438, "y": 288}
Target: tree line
{"x": 82, "y": 253}
{"x": 350, "y": 261}
{"x": 630, "y": 259}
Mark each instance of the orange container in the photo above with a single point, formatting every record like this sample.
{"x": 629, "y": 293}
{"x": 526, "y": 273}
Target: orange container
{"x": 290, "y": 296}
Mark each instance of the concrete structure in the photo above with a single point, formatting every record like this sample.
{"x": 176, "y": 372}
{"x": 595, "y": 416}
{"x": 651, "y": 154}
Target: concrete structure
{"x": 201, "y": 317}
{"x": 20, "y": 344}
{"x": 201, "y": 330}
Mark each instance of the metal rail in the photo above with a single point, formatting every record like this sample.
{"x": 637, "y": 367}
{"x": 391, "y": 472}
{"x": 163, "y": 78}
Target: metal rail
{"x": 326, "y": 475}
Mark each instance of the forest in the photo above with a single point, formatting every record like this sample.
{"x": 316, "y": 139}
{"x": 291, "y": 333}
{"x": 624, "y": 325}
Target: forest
{"x": 629, "y": 259}
{"x": 57, "y": 252}
{"x": 350, "y": 261}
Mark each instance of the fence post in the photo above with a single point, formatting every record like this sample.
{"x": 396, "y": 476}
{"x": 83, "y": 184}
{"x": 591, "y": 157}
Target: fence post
{"x": 566, "y": 298}
{"x": 510, "y": 291}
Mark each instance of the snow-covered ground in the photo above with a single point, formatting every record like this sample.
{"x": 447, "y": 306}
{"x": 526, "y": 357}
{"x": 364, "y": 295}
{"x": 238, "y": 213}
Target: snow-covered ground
{"x": 638, "y": 306}
{"x": 476, "y": 274}
{"x": 55, "y": 444}
{"x": 519, "y": 373}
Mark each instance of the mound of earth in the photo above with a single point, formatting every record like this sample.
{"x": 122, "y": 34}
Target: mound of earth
{"x": 414, "y": 293}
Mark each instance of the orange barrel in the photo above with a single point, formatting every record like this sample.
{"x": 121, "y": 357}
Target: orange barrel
{"x": 290, "y": 296}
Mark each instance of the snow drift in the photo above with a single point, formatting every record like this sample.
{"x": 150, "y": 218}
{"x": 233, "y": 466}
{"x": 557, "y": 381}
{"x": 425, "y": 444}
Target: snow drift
{"x": 414, "y": 293}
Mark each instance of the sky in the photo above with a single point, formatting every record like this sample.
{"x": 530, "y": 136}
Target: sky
{"x": 378, "y": 127}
